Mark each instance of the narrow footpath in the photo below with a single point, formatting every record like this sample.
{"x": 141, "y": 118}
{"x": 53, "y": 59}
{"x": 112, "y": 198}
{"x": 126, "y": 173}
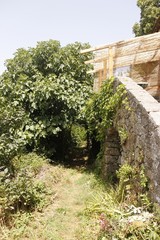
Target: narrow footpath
{"x": 64, "y": 216}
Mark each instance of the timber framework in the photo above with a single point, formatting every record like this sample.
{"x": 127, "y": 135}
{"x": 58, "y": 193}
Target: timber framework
{"x": 137, "y": 54}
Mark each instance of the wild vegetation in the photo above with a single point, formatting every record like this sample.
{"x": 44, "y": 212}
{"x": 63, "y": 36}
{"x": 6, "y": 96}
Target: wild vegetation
{"x": 49, "y": 115}
{"x": 102, "y": 107}
{"x": 73, "y": 203}
{"x": 149, "y": 17}
{"x": 42, "y": 93}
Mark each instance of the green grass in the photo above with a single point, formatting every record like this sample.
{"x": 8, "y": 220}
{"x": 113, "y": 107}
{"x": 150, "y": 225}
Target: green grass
{"x": 63, "y": 214}
{"x": 79, "y": 206}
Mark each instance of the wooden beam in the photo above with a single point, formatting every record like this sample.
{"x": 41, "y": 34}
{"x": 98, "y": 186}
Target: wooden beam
{"x": 95, "y": 70}
{"x": 150, "y": 44}
{"x": 110, "y": 62}
{"x": 100, "y": 78}
{"x": 93, "y": 49}
{"x": 96, "y": 60}
{"x": 122, "y": 61}
{"x": 130, "y": 41}
{"x": 124, "y": 53}
{"x": 148, "y": 56}
{"x": 105, "y": 69}
{"x": 131, "y": 49}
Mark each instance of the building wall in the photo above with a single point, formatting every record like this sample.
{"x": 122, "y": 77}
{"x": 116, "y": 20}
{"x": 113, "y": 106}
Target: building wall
{"x": 148, "y": 72}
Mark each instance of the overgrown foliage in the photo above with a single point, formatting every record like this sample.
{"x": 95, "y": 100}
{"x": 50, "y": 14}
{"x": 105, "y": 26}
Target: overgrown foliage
{"x": 42, "y": 93}
{"x": 49, "y": 86}
{"x": 133, "y": 185}
{"x": 92, "y": 209}
{"x": 79, "y": 135}
{"x": 149, "y": 19}
{"x": 120, "y": 211}
{"x": 11, "y": 120}
{"x": 19, "y": 190}
{"x": 102, "y": 108}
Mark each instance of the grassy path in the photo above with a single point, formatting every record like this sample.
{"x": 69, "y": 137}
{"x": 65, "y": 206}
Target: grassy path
{"x": 76, "y": 206}
{"x": 63, "y": 218}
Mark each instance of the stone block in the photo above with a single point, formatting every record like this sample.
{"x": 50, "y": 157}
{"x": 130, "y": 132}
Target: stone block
{"x": 112, "y": 151}
{"x": 155, "y": 118}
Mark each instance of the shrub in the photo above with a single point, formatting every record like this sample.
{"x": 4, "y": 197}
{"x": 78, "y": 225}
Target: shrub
{"x": 18, "y": 194}
{"x": 19, "y": 190}
{"x": 79, "y": 135}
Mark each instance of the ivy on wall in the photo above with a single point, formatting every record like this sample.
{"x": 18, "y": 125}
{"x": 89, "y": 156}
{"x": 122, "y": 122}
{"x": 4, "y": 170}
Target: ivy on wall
{"x": 102, "y": 107}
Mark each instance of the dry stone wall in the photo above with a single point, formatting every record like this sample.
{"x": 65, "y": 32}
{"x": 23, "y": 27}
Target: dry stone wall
{"x": 135, "y": 137}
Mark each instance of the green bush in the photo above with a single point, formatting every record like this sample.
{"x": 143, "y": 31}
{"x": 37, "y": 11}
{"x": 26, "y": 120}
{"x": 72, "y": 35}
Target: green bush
{"x": 79, "y": 135}
{"x": 19, "y": 189}
{"x": 18, "y": 193}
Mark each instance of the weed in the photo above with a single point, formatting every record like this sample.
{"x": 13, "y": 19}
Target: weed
{"x": 123, "y": 134}
{"x": 117, "y": 217}
{"x": 31, "y": 162}
{"x": 133, "y": 185}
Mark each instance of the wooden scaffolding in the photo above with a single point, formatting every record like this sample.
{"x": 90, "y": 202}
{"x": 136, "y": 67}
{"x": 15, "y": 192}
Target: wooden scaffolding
{"x": 110, "y": 59}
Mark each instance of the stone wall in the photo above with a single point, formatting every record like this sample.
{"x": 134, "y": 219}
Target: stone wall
{"x": 112, "y": 155}
{"x": 135, "y": 136}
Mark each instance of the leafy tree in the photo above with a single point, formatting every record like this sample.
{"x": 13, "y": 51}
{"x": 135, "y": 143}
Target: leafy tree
{"x": 50, "y": 84}
{"x": 150, "y": 17}
{"x": 11, "y": 118}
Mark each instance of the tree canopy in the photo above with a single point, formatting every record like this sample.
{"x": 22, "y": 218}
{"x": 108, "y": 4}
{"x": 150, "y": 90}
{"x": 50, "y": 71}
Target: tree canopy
{"x": 149, "y": 19}
{"x": 49, "y": 84}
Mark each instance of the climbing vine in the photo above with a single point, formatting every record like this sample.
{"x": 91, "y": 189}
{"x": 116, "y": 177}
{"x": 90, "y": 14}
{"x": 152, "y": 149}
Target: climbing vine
{"x": 102, "y": 107}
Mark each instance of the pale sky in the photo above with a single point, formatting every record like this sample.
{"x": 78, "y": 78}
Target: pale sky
{"x": 23, "y": 23}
